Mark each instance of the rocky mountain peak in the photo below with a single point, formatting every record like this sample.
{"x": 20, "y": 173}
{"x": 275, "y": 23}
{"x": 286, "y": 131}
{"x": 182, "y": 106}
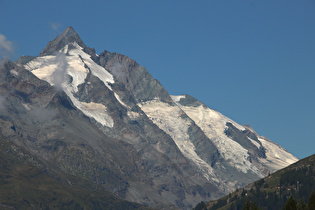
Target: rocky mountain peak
{"x": 69, "y": 32}
{"x": 104, "y": 118}
{"x": 68, "y": 36}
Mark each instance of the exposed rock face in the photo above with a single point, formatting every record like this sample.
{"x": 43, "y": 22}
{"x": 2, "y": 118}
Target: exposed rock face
{"x": 136, "y": 79}
{"x": 68, "y": 36}
{"x": 104, "y": 118}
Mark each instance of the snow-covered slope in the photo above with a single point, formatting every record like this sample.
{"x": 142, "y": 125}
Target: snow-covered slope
{"x": 169, "y": 118}
{"x": 67, "y": 70}
{"x": 244, "y": 156}
{"x": 237, "y": 158}
{"x": 277, "y": 156}
{"x": 214, "y": 125}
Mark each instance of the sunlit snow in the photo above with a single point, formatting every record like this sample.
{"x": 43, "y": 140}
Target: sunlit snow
{"x": 168, "y": 118}
{"x": 277, "y": 157}
{"x": 133, "y": 115}
{"x": 74, "y": 63}
{"x": 120, "y": 101}
{"x": 177, "y": 98}
{"x": 254, "y": 142}
{"x": 96, "y": 69}
{"x": 13, "y": 72}
{"x": 213, "y": 124}
{"x": 26, "y": 106}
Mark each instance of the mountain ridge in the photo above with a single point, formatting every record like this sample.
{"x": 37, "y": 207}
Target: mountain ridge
{"x": 69, "y": 35}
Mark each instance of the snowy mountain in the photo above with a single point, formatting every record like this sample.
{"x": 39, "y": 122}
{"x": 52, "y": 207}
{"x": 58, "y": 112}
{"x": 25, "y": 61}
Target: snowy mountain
{"x": 106, "y": 119}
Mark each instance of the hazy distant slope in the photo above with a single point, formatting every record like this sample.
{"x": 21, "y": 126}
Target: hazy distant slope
{"x": 24, "y": 186}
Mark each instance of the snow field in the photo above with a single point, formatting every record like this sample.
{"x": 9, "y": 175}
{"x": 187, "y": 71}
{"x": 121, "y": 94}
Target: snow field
{"x": 277, "y": 156}
{"x": 168, "y": 118}
{"x": 213, "y": 124}
{"x": 74, "y": 63}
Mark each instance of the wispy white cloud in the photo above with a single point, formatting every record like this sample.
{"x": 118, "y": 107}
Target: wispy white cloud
{"x": 59, "y": 75}
{"x": 118, "y": 70}
{"x": 3, "y": 61}
{"x": 42, "y": 114}
{"x": 6, "y": 47}
{"x": 55, "y": 26}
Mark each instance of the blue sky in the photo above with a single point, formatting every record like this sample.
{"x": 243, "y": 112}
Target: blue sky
{"x": 254, "y": 61}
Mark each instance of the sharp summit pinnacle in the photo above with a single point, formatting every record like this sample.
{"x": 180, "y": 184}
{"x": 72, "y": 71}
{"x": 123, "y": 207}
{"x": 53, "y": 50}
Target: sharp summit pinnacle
{"x": 68, "y": 36}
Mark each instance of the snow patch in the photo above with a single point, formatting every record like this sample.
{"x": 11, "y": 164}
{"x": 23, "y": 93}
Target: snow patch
{"x": 96, "y": 69}
{"x": 254, "y": 142}
{"x": 26, "y": 106}
{"x": 277, "y": 156}
{"x": 98, "y": 112}
{"x": 13, "y": 72}
{"x": 177, "y": 98}
{"x": 168, "y": 118}
{"x": 93, "y": 110}
{"x": 213, "y": 124}
{"x": 120, "y": 101}
{"x": 133, "y": 115}
{"x": 44, "y": 68}
{"x": 76, "y": 61}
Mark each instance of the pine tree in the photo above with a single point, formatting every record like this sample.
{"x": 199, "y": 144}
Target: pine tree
{"x": 247, "y": 204}
{"x": 302, "y": 205}
{"x": 254, "y": 206}
{"x": 200, "y": 206}
{"x": 311, "y": 201}
{"x": 291, "y": 204}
